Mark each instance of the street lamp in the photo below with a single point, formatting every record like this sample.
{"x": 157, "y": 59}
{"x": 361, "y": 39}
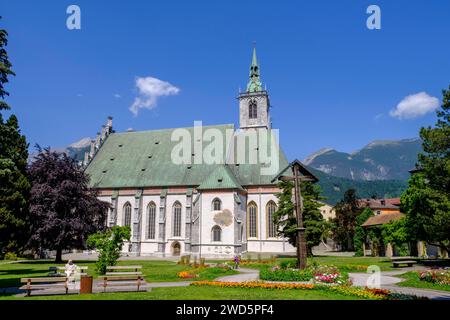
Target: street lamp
{"x": 300, "y": 173}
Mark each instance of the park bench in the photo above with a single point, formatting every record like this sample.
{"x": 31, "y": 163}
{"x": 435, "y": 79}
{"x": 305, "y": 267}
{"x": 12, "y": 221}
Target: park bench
{"x": 123, "y": 270}
{"x": 397, "y": 261}
{"x": 59, "y": 271}
{"x": 121, "y": 281}
{"x": 43, "y": 283}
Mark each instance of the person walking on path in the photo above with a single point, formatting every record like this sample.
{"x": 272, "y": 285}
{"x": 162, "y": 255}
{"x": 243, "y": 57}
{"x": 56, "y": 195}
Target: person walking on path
{"x": 236, "y": 262}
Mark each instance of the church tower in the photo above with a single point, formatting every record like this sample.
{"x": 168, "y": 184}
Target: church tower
{"x": 254, "y": 102}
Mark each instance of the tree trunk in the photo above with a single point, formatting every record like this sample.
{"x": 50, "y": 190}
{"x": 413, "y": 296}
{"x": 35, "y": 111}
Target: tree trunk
{"x": 58, "y": 258}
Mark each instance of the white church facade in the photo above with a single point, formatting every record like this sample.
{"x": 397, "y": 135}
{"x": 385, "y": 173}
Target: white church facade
{"x": 206, "y": 210}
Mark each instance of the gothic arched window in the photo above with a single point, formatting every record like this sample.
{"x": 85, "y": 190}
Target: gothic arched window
{"x": 151, "y": 220}
{"x": 252, "y": 109}
{"x": 127, "y": 214}
{"x": 270, "y": 210}
{"x": 176, "y": 219}
{"x": 217, "y": 204}
{"x": 216, "y": 234}
{"x": 252, "y": 220}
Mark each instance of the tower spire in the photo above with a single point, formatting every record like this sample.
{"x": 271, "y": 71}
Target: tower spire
{"x": 254, "y": 82}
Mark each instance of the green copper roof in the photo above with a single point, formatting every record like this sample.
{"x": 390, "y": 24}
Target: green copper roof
{"x": 220, "y": 178}
{"x": 143, "y": 159}
{"x": 254, "y": 83}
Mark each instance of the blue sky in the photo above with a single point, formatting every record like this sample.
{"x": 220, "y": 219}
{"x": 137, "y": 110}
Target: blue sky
{"x": 332, "y": 81}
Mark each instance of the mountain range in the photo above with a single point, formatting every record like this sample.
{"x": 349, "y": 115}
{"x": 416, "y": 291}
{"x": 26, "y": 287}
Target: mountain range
{"x": 379, "y": 160}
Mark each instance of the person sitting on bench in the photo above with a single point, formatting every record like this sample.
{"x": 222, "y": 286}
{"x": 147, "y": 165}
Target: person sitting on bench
{"x": 73, "y": 274}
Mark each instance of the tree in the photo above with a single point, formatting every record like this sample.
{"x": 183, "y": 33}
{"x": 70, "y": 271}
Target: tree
{"x": 426, "y": 202}
{"x": 285, "y": 219}
{"x": 396, "y": 233}
{"x": 345, "y": 222}
{"x": 14, "y": 183}
{"x": 63, "y": 210}
{"x": 109, "y": 245}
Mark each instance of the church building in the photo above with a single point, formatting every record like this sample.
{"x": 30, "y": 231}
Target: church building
{"x": 212, "y": 210}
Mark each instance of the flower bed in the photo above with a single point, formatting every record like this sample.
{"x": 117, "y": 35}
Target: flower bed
{"x": 187, "y": 275}
{"x": 366, "y": 293}
{"x": 314, "y": 273}
{"x": 254, "y": 284}
{"x": 438, "y": 276}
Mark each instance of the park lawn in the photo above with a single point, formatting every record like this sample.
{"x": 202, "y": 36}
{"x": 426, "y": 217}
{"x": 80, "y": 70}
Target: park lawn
{"x": 413, "y": 280}
{"x": 354, "y": 264}
{"x": 153, "y": 271}
{"x": 200, "y": 293}
{"x": 345, "y": 264}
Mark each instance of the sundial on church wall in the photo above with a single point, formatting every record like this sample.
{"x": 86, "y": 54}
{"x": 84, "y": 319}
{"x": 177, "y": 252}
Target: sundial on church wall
{"x": 223, "y": 218}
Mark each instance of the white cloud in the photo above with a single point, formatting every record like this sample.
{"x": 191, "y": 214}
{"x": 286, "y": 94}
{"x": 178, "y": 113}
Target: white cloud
{"x": 414, "y": 106}
{"x": 150, "y": 89}
{"x": 118, "y": 96}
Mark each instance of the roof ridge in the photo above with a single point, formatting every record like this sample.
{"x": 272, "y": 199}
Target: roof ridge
{"x": 171, "y": 129}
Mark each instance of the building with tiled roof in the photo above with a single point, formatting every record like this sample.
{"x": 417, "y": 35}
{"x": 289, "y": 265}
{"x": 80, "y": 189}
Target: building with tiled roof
{"x": 176, "y": 202}
{"x": 381, "y": 206}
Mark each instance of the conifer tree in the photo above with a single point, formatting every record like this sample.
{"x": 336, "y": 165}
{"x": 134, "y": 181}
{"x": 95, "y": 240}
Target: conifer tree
{"x": 285, "y": 219}
{"x": 14, "y": 184}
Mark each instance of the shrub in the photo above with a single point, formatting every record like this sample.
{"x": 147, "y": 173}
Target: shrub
{"x": 109, "y": 245}
{"x": 285, "y": 264}
{"x": 11, "y": 256}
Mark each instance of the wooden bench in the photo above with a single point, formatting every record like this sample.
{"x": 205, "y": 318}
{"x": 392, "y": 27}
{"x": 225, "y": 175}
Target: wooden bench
{"x": 123, "y": 270}
{"x": 44, "y": 283}
{"x": 121, "y": 281}
{"x": 56, "y": 271}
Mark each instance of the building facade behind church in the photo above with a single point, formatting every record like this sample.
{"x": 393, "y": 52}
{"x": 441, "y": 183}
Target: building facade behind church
{"x": 206, "y": 210}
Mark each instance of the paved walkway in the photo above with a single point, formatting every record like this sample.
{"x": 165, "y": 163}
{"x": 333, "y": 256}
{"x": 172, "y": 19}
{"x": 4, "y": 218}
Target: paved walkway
{"x": 243, "y": 276}
{"x": 388, "y": 280}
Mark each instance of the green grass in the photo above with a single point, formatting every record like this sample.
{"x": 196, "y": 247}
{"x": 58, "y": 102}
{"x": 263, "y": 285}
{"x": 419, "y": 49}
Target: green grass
{"x": 413, "y": 280}
{"x": 164, "y": 271}
{"x": 345, "y": 264}
{"x": 153, "y": 271}
{"x": 355, "y": 264}
{"x": 200, "y": 293}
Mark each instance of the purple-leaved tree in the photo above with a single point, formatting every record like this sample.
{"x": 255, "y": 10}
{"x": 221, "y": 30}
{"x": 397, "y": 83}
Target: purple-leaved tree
{"x": 64, "y": 211}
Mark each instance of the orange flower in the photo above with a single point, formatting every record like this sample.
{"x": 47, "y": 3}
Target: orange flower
{"x": 254, "y": 284}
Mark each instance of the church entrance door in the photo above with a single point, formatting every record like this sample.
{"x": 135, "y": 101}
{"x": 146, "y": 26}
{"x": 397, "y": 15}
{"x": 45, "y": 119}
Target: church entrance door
{"x": 176, "y": 248}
